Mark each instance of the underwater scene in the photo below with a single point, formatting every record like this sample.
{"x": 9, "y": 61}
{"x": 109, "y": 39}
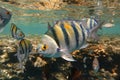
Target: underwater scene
{"x": 59, "y": 39}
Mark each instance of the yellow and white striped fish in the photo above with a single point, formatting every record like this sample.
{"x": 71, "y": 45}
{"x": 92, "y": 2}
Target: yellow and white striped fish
{"x": 16, "y": 32}
{"x": 24, "y": 49}
{"x": 65, "y": 37}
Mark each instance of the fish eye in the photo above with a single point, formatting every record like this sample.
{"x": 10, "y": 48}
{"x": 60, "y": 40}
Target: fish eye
{"x": 20, "y": 34}
{"x": 44, "y": 47}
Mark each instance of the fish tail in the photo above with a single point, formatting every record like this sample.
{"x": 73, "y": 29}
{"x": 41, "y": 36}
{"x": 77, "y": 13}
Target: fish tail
{"x": 93, "y": 32}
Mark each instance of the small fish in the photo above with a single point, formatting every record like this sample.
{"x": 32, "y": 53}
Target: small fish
{"x": 95, "y": 64}
{"x": 84, "y": 62}
{"x": 99, "y": 4}
{"x": 5, "y": 17}
{"x": 108, "y": 25}
{"x": 65, "y": 37}
{"x": 16, "y": 32}
{"x": 24, "y": 49}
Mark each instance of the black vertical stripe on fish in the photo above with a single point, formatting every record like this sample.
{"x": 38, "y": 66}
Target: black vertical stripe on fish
{"x": 83, "y": 34}
{"x": 14, "y": 29}
{"x": 21, "y": 48}
{"x": 76, "y": 34}
{"x": 95, "y": 22}
{"x": 26, "y": 48}
{"x": 55, "y": 36}
{"x": 90, "y": 23}
{"x": 25, "y": 45}
{"x": 29, "y": 46}
{"x": 66, "y": 36}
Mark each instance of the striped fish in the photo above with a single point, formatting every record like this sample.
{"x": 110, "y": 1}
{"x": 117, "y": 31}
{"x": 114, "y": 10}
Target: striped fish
{"x": 24, "y": 49}
{"x": 65, "y": 37}
{"x": 16, "y": 32}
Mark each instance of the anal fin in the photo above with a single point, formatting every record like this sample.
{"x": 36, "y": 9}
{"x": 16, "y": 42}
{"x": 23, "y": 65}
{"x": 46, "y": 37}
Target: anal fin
{"x": 67, "y": 57}
{"x": 84, "y": 46}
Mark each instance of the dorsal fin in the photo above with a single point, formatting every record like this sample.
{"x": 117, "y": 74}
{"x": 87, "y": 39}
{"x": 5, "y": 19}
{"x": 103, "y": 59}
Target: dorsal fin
{"x": 49, "y": 26}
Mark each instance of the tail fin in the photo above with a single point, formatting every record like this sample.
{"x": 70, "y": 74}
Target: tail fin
{"x": 93, "y": 32}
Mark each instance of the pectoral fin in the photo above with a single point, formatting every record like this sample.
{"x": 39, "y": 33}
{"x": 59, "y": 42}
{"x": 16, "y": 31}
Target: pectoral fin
{"x": 68, "y": 57}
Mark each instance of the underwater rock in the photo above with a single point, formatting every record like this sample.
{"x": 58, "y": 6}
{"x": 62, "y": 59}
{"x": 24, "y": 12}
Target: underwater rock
{"x": 41, "y": 68}
{"x": 58, "y": 4}
{"x": 39, "y": 62}
{"x": 38, "y": 5}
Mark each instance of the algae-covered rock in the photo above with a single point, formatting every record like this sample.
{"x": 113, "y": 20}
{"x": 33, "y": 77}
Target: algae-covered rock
{"x": 41, "y": 68}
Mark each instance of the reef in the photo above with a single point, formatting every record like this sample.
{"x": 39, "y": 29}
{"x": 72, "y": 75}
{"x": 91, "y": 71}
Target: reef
{"x": 58, "y": 4}
{"x": 37, "y": 67}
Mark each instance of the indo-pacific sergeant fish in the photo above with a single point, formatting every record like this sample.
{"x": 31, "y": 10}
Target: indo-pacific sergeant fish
{"x": 5, "y": 17}
{"x": 16, "y": 32}
{"x": 23, "y": 51}
{"x": 65, "y": 37}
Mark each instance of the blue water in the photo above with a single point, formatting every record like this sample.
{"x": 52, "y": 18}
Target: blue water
{"x": 35, "y": 21}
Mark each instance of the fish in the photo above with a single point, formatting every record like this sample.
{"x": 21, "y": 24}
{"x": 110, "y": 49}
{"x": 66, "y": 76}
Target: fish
{"x": 23, "y": 51}
{"x": 84, "y": 62}
{"x": 5, "y": 17}
{"x": 109, "y": 25}
{"x": 95, "y": 64}
{"x": 64, "y": 37}
{"x": 16, "y": 32}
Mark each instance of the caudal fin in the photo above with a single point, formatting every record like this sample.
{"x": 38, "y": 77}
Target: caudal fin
{"x": 93, "y": 32}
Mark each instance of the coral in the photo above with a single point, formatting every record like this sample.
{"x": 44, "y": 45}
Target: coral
{"x": 41, "y": 68}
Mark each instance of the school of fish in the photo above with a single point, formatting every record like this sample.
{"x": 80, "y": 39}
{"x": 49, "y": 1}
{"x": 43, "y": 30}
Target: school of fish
{"x": 64, "y": 37}
{"x": 24, "y": 45}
